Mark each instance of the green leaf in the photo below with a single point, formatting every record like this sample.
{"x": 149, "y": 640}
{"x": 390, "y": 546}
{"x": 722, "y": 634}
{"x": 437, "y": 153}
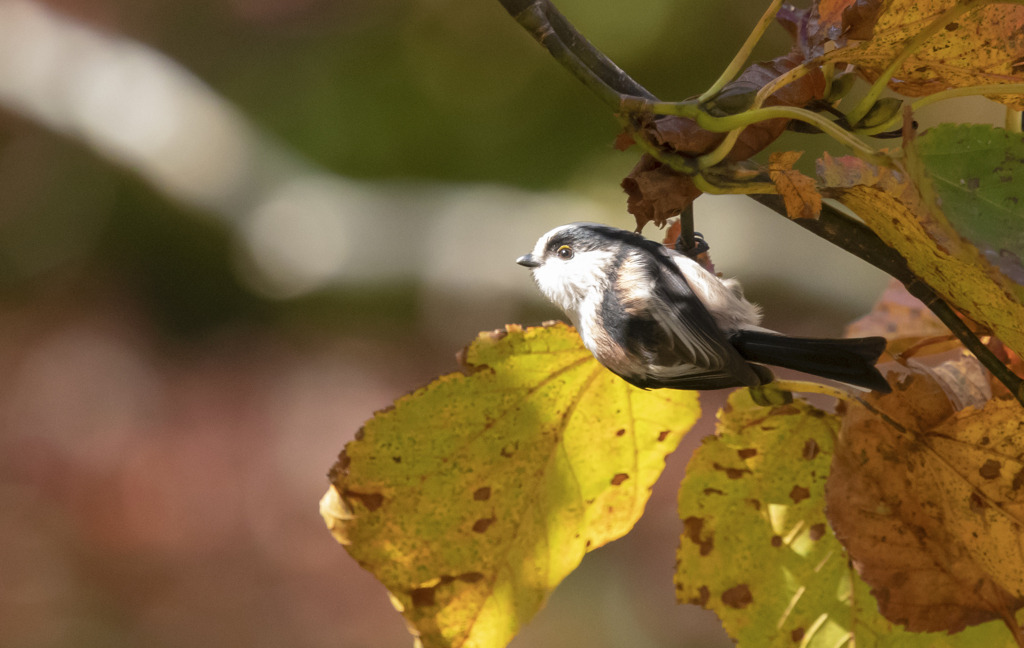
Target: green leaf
{"x": 472, "y": 498}
{"x": 756, "y": 547}
{"x": 978, "y": 172}
{"x": 881, "y": 112}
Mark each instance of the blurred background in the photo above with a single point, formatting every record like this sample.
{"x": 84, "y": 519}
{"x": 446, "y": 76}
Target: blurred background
{"x": 231, "y": 230}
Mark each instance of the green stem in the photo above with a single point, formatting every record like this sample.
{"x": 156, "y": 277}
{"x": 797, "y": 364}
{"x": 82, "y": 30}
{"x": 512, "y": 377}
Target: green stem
{"x": 722, "y": 150}
{"x": 916, "y": 42}
{"x": 807, "y": 387}
{"x": 743, "y": 54}
{"x": 742, "y": 120}
{"x": 746, "y": 188}
{"x": 997, "y": 88}
{"x": 1013, "y": 120}
{"x": 689, "y": 109}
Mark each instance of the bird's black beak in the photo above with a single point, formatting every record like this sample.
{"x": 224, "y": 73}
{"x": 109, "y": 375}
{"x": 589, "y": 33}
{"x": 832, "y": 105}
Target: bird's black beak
{"x": 528, "y": 261}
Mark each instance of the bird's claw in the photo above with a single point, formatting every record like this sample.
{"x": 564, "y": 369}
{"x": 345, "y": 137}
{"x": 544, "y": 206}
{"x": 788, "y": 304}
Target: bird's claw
{"x": 700, "y": 246}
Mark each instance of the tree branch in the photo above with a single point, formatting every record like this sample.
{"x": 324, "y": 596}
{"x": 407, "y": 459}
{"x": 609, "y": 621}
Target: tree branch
{"x": 570, "y": 48}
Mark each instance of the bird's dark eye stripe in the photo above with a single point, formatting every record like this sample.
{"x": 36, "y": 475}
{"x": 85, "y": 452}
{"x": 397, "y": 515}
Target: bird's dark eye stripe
{"x": 585, "y": 239}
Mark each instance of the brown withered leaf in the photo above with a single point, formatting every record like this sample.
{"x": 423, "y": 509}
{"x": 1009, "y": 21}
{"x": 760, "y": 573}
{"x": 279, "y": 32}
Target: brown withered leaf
{"x": 683, "y": 136}
{"x": 849, "y": 19}
{"x": 657, "y": 193}
{"x": 929, "y": 504}
{"x": 850, "y": 171}
{"x": 672, "y": 234}
{"x": 1011, "y": 360}
{"x": 799, "y": 192}
{"x": 830, "y": 15}
{"x": 792, "y": 20}
{"x": 859, "y": 19}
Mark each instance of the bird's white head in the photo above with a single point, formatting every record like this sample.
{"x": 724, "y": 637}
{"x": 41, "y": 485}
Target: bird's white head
{"x": 573, "y": 262}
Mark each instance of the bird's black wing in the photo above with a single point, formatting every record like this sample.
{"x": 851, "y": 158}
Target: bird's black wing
{"x": 697, "y": 354}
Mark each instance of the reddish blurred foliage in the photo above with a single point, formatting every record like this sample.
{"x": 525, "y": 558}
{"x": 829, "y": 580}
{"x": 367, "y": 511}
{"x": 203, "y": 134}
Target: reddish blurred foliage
{"x": 166, "y": 494}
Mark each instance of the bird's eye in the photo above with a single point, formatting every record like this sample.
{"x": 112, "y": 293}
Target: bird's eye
{"x": 564, "y": 252}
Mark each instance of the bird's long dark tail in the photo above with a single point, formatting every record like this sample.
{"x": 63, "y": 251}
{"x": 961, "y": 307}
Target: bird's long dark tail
{"x": 850, "y": 361}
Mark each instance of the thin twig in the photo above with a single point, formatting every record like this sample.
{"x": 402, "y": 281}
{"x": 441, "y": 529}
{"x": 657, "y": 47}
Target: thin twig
{"x": 991, "y": 89}
{"x": 741, "y": 56}
{"x": 686, "y": 239}
{"x": 1014, "y": 120}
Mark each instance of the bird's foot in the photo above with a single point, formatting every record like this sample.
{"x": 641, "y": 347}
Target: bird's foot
{"x": 700, "y": 246}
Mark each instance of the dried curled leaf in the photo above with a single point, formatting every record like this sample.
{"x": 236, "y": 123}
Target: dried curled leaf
{"x": 472, "y": 498}
{"x": 848, "y": 19}
{"x": 756, "y": 548}
{"x": 799, "y": 192}
{"x": 859, "y": 19}
{"x": 654, "y": 192}
{"x": 927, "y": 503}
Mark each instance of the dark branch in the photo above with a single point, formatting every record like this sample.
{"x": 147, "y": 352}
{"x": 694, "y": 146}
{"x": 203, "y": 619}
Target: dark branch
{"x": 570, "y": 48}
{"x": 686, "y": 240}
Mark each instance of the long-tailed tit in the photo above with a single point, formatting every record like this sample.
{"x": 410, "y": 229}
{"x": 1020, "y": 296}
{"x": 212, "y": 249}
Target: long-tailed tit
{"x": 658, "y": 319}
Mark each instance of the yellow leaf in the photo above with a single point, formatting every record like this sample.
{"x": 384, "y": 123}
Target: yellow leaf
{"x": 757, "y": 550}
{"x": 984, "y": 46}
{"x": 472, "y": 498}
{"x": 799, "y": 192}
{"x": 930, "y": 505}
